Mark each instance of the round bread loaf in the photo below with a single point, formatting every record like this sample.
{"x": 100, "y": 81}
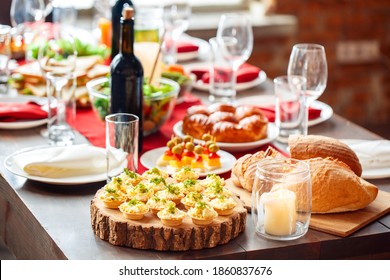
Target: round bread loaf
{"x": 312, "y": 146}
{"x": 226, "y": 123}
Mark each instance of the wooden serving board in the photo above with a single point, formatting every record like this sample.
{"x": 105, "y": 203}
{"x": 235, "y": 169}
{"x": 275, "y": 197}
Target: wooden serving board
{"x": 150, "y": 233}
{"x": 340, "y": 224}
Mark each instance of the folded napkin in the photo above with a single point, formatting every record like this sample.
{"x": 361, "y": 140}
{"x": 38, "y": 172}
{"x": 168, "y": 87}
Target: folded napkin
{"x": 269, "y": 112}
{"x": 10, "y": 112}
{"x": 62, "y": 162}
{"x": 185, "y": 47}
{"x": 246, "y": 73}
{"x": 372, "y": 154}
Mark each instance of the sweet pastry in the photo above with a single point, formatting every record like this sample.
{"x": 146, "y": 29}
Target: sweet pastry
{"x": 202, "y": 213}
{"x": 134, "y": 209}
{"x": 140, "y": 192}
{"x": 312, "y": 146}
{"x": 244, "y": 169}
{"x": 113, "y": 194}
{"x": 171, "y": 192}
{"x": 336, "y": 188}
{"x": 157, "y": 204}
{"x": 192, "y": 198}
{"x": 171, "y": 215}
{"x": 223, "y": 204}
{"x": 226, "y": 123}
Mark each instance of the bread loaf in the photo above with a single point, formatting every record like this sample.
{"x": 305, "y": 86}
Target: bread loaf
{"x": 244, "y": 169}
{"x": 312, "y": 146}
{"x": 336, "y": 188}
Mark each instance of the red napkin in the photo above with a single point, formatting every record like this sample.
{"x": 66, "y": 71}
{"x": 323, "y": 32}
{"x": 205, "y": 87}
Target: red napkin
{"x": 269, "y": 112}
{"x": 10, "y": 112}
{"x": 246, "y": 73}
{"x": 184, "y": 47}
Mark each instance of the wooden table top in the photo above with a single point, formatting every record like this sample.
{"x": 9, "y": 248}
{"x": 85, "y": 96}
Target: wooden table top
{"x": 42, "y": 221}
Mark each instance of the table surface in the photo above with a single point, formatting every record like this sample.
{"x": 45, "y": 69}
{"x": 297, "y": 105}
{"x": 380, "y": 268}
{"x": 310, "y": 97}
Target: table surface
{"x": 42, "y": 221}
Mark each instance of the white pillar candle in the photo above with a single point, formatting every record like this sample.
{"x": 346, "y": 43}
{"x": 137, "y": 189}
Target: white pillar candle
{"x": 279, "y": 212}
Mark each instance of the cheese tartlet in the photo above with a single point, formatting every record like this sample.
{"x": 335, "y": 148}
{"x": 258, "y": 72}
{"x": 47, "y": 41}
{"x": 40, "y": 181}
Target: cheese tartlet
{"x": 202, "y": 213}
{"x": 156, "y": 204}
{"x": 215, "y": 190}
{"x": 130, "y": 178}
{"x": 190, "y": 185}
{"x": 224, "y": 205}
{"x": 134, "y": 209}
{"x": 185, "y": 173}
{"x": 154, "y": 172}
{"x": 113, "y": 195}
{"x": 171, "y": 192}
{"x": 156, "y": 184}
{"x": 140, "y": 192}
{"x": 212, "y": 179}
{"x": 171, "y": 215}
{"x": 191, "y": 199}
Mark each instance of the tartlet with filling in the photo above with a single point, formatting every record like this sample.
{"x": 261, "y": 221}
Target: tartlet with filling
{"x": 157, "y": 204}
{"x": 202, "y": 213}
{"x": 191, "y": 199}
{"x": 171, "y": 215}
{"x": 140, "y": 192}
{"x": 224, "y": 205}
{"x": 113, "y": 195}
{"x": 134, "y": 209}
{"x": 186, "y": 173}
{"x": 171, "y": 192}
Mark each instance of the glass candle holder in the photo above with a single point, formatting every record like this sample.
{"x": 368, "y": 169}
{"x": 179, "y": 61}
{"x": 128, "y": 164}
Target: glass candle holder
{"x": 281, "y": 198}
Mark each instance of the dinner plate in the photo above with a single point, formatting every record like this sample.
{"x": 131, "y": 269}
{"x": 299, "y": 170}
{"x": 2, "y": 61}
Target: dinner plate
{"x": 265, "y": 100}
{"x": 369, "y": 172}
{"x": 200, "y": 85}
{"x": 272, "y": 133}
{"x": 203, "y": 49}
{"x": 14, "y": 168}
{"x": 26, "y": 123}
{"x": 149, "y": 160}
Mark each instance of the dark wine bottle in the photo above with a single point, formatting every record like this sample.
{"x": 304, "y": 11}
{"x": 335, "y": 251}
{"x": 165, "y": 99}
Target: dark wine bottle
{"x": 127, "y": 75}
{"x": 116, "y": 14}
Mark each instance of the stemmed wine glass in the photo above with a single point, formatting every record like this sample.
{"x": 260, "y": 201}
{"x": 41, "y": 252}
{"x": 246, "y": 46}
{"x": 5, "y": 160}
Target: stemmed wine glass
{"x": 309, "y": 61}
{"x": 57, "y": 60}
{"x": 26, "y": 15}
{"x": 176, "y": 16}
{"x": 235, "y": 40}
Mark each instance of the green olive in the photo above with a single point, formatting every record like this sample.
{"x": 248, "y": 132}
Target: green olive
{"x": 178, "y": 149}
{"x": 187, "y": 138}
{"x": 213, "y": 148}
{"x": 170, "y": 144}
{"x": 206, "y": 137}
{"x": 177, "y": 140}
{"x": 199, "y": 150}
{"x": 190, "y": 146}
{"x": 208, "y": 143}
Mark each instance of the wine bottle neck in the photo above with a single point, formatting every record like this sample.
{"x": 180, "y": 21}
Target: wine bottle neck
{"x": 127, "y": 37}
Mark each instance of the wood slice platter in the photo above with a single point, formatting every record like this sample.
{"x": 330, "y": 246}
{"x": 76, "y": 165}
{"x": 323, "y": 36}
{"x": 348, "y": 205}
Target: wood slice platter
{"x": 340, "y": 224}
{"x": 150, "y": 233}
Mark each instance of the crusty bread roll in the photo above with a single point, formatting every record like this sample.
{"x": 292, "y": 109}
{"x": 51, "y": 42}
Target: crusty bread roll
{"x": 244, "y": 169}
{"x": 312, "y": 146}
{"x": 336, "y": 188}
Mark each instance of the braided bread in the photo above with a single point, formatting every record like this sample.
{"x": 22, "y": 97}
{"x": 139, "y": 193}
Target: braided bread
{"x": 226, "y": 123}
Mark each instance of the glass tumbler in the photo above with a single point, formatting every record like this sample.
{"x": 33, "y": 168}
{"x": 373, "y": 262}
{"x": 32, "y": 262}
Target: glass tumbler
{"x": 281, "y": 198}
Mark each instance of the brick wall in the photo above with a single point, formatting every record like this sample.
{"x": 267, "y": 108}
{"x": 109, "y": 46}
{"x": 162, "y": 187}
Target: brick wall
{"x": 357, "y": 91}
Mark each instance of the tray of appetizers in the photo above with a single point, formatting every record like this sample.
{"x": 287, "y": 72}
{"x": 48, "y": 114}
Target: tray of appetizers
{"x": 156, "y": 210}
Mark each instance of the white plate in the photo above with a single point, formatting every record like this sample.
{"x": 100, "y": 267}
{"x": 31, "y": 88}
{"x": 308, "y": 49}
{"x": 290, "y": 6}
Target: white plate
{"x": 203, "y": 49}
{"x": 14, "y": 168}
{"x": 369, "y": 172}
{"x": 234, "y": 147}
{"x": 22, "y": 124}
{"x": 265, "y": 100}
{"x": 199, "y": 85}
{"x": 149, "y": 160}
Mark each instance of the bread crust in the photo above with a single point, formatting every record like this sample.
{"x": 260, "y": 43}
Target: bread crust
{"x": 335, "y": 188}
{"x": 312, "y": 146}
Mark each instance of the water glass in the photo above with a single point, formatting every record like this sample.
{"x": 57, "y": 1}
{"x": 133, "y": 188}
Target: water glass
{"x": 121, "y": 143}
{"x": 5, "y": 54}
{"x": 222, "y": 78}
{"x": 281, "y": 198}
{"x": 290, "y": 111}
{"x": 62, "y": 108}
